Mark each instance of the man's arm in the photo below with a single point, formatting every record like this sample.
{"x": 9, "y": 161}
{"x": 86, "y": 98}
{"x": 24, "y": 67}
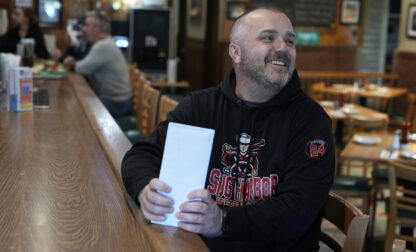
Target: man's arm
{"x": 97, "y": 57}
{"x": 142, "y": 162}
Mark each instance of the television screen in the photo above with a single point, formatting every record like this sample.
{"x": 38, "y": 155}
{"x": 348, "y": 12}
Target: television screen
{"x": 50, "y": 13}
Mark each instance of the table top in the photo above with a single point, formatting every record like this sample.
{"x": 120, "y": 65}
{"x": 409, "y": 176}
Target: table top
{"x": 58, "y": 184}
{"x": 373, "y": 90}
{"x": 355, "y": 151}
{"x": 115, "y": 144}
{"x": 349, "y": 110}
{"x": 165, "y": 84}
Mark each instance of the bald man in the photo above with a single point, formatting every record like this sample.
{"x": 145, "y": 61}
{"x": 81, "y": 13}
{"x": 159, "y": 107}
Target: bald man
{"x": 272, "y": 160}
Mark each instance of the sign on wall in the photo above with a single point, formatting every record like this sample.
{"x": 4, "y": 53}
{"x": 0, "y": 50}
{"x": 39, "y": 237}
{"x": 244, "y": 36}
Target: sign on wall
{"x": 307, "y": 37}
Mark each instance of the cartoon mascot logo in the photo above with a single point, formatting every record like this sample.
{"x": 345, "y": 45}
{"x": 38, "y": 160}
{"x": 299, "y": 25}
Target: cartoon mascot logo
{"x": 241, "y": 161}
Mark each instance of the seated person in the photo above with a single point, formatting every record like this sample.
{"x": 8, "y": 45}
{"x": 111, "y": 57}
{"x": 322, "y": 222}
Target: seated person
{"x": 77, "y": 47}
{"x": 272, "y": 161}
{"x": 104, "y": 65}
{"x": 27, "y": 27}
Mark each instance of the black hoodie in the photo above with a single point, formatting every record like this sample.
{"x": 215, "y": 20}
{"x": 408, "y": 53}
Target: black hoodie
{"x": 271, "y": 165}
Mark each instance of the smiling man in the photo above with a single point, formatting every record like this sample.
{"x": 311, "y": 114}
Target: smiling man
{"x": 272, "y": 160}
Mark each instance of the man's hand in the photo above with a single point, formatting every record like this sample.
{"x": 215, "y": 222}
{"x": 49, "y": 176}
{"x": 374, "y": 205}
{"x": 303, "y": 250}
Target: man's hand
{"x": 202, "y": 217}
{"x": 56, "y": 54}
{"x": 69, "y": 62}
{"x": 153, "y": 204}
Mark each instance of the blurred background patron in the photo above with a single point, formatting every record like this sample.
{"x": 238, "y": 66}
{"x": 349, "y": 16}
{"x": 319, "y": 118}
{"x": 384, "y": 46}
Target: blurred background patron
{"x": 27, "y": 27}
{"x": 104, "y": 66}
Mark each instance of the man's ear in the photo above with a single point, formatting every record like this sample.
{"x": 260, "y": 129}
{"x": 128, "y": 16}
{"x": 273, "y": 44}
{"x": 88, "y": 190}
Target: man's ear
{"x": 235, "y": 52}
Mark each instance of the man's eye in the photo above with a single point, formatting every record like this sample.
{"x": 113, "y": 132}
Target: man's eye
{"x": 290, "y": 42}
{"x": 268, "y": 38}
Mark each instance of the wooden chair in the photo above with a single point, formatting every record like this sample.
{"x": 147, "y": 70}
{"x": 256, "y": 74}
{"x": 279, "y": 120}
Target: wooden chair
{"x": 131, "y": 67}
{"x": 399, "y": 246}
{"x": 348, "y": 219}
{"x": 356, "y": 124}
{"x": 165, "y": 106}
{"x": 137, "y": 80}
{"x": 147, "y": 102}
{"x": 316, "y": 94}
{"x": 402, "y": 203}
{"x": 146, "y": 115}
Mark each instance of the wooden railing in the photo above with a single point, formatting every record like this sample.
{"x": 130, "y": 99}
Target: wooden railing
{"x": 329, "y": 78}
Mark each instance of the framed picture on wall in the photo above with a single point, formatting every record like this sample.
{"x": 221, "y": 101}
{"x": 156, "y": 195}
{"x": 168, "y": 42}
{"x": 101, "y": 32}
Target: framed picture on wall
{"x": 350, "y": 12}
{"x": 236, "y": 9}
{"x": 50, "y": 13}
{"x": 411, "y": 22}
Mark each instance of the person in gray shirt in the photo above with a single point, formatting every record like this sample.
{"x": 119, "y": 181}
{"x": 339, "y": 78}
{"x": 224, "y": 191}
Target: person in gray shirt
{"x": 105, "y": 65}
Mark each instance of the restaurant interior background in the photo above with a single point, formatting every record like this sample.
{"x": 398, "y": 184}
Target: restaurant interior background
{"x": 349, "y": 36}
{"x": 340, "y": 35}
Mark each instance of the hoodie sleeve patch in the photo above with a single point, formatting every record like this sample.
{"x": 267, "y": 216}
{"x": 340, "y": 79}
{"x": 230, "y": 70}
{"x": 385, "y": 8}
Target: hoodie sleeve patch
{"x": 316, "y": 147}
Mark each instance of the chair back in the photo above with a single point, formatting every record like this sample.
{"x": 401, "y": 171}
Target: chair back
{"x": 399, "y": 246}
{"x": 411, "y": 111}
{"x": 348, "y": 219}
{"x": 165, "y": 106}
{"x": 146, "y": 114}
{"x": 138, "y": 81}
{"x": 362, "y": 123}
{"x": 402, "y": 207}
{"x": 315, "y": 92}
{"x": 131, "y": 68}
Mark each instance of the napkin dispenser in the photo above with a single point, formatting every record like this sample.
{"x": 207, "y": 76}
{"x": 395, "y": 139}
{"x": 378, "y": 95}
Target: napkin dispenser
{"x": 19, "y": 89}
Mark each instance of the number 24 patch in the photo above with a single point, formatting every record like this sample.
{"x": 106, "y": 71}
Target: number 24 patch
{"x": 316, "y": 147}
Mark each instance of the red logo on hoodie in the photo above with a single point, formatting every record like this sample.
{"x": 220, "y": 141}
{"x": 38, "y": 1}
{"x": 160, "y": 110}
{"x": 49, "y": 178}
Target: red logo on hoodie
{"x": 316, "y": 147}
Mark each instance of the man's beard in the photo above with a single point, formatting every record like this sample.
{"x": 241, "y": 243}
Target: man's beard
{"x": 257, "y": 72}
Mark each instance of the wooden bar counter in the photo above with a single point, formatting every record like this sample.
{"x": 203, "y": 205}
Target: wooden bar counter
{"x": 60, "y": 183}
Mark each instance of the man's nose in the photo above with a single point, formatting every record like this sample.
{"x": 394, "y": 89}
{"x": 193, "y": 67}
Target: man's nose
{"x": 279, "y": 44}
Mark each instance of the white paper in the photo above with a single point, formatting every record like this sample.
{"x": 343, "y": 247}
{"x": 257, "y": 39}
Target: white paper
{"x": 185, "y": 163}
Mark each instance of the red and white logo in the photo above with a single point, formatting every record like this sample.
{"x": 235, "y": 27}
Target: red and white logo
{"x": 316, "y": 147}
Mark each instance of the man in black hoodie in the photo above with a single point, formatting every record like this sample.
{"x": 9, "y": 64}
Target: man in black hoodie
{"x": 272, "y": 160}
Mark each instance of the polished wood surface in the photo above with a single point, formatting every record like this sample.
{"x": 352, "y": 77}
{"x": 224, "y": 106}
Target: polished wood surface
{"x": 165, "y": 84}
{"x": 60, "y": 180}
{"x": 376, "y": 91}
{"x": 355, "y": 151}
{"x": 115, "y": 144}
{"x": 57, "y": 189}
{"x": 346, "y": 111}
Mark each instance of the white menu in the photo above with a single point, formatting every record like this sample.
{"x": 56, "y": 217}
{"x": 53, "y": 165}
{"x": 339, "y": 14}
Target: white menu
{"x": 185, "y": 163}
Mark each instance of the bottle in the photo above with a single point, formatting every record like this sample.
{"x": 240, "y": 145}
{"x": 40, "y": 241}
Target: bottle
{"x": 363, "y": 82}
{"x": 341, "y": 100}
{"x": 396, "y": 140}
{"x": 404, "y": 141}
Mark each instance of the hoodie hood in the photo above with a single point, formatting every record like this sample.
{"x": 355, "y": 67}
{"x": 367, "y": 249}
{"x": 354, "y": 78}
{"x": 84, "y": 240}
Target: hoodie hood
{"x": 289, "y": 93}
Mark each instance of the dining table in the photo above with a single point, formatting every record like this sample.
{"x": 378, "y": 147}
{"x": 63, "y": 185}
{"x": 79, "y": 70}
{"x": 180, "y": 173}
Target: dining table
{"x": 377, "y": 147}
{"x": 339, "y": 115}
{"x": 370, "y": 91}
{"x": 60, "y": 180}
